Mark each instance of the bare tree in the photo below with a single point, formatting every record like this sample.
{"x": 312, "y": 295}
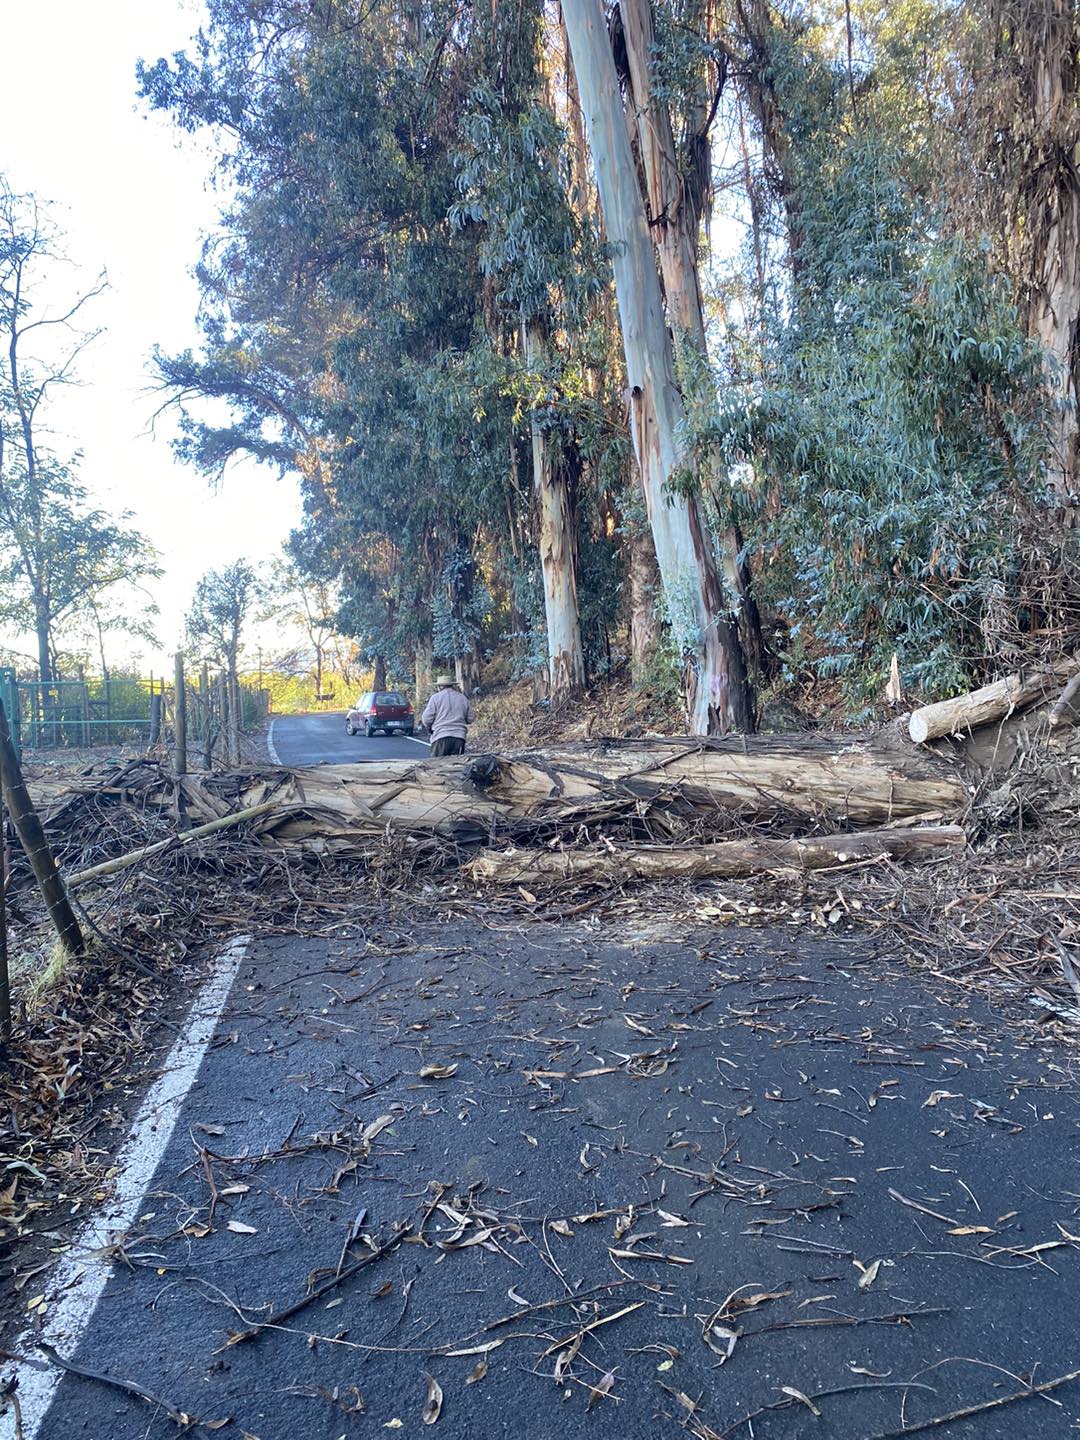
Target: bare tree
{"x": 58, "y": 554}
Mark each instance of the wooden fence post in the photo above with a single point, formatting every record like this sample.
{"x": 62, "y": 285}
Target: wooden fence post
{"x": 31, "y": 835}
{"x": 208, "y": 716}
{"x": 235, "y": 719}
{"x": 180, "y": 718}
{"x": 155, "y": 716}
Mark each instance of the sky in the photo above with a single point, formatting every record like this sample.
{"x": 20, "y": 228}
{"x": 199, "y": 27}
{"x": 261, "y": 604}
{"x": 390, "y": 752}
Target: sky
{"x": 134, "y": 197}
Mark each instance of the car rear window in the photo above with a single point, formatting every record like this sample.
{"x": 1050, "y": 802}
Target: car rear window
{"x": 390, "y": 697}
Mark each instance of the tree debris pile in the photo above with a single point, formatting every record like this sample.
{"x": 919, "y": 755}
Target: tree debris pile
{"x": 548, "y": 827}
{"x": 673, "y": 793}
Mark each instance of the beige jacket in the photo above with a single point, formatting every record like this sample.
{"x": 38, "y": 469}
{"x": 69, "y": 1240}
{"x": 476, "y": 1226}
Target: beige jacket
{"x": 448, "y": 712}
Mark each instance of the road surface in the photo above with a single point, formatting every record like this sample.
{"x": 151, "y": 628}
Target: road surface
{"x": 540, "y": 1179}
{"x": 321, "y": 740}
{"x": 605, "y": 1185}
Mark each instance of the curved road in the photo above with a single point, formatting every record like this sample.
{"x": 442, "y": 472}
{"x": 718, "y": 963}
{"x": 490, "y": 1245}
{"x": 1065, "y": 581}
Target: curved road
{"x": 321, "y": 740}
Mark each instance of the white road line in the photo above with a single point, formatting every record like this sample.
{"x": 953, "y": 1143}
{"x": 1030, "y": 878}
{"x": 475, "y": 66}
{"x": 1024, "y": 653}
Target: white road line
{"x": 76, "y": 1285}
{"x": 426, "y": 743}
{"x": 274, "y": 756}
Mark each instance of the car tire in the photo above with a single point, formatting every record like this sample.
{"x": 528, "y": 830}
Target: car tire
{"x": 350, "y": 728}
{"x": 368, "y": 731}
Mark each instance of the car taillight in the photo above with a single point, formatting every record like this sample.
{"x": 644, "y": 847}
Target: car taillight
{"x": 408, "y": 709}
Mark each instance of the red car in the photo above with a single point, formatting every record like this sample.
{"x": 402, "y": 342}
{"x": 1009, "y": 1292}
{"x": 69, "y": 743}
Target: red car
{"x": 385, "y": 710}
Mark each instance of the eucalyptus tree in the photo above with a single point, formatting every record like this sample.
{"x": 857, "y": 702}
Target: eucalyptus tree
{"x": 536, "y": 250}
{"x": 1015, "y": 112}
{"x": 674, "y": 79}
{"x": 340, "y": 125}
{"x": 716, "y": 687}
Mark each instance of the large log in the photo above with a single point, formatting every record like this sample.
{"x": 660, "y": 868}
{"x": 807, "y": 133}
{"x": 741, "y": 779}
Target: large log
{"x": 731, "y": 859}
{"x": 996, "y": 701}
{"x": 665, "y": 788}
{"x": 486, "y": 798}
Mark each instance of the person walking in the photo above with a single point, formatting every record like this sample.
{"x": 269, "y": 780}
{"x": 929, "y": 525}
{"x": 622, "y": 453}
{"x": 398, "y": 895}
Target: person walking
{"x": 448, "y": 715}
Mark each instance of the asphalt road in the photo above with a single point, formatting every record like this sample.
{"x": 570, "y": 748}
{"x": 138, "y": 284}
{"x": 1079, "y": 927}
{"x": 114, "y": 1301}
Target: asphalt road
{"x": 594, "y": 1184}
{"x": 321, "y": 740}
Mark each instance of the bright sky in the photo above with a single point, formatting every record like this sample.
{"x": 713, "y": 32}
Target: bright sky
{"x": 134, "y": 198}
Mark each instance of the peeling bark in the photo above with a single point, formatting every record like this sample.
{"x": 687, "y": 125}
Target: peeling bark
{"x": 424, "y": 667}
{"x": 715, "y": 686}
{"x": 730, "y": 859}
{"x": 1051, "y": 227}
{"x": 644, "y": 584}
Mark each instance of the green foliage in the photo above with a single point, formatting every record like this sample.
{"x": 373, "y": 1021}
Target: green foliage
{"x": 893, "y": 425}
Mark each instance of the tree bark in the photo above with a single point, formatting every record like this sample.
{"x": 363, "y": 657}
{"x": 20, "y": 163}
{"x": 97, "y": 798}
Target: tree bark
{"x": 566, "y": 659}
{"x": 379, "y": 680}
{"x": 44, "y": 644}
{"x": 1043, "y": 41}
{"x": 715, "y": 681}
{"x": 669, "y": 789}
{"x": 1066, "y": 708}
{"x": 731, "y": 859}
{"x": 644, "y": 585}
{"x": 424, "y": 673}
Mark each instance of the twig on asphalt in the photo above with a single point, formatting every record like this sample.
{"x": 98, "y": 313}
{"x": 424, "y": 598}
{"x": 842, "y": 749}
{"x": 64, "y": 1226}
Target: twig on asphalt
{"x": 968, "y": 1410}
{"x": 579, "y": 1335}
{"x": 277, "y": 1316}
{"x": 180, "y": 1418}
{"x": 556, "y": 1303}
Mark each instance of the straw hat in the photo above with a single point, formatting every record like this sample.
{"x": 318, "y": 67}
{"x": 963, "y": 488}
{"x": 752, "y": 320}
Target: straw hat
{"x": 442, "y": 680}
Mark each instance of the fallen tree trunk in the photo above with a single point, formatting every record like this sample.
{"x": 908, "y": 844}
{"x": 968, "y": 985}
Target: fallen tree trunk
{"x": 649, "y": 790}
{"x": 732, "y": 859}
{"x": 662, "y": 788}
{"x": 992, "y": 702}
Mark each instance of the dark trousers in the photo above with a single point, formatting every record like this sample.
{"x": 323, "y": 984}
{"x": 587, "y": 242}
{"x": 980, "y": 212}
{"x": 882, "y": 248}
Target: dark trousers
{"x": 448, "y": 745}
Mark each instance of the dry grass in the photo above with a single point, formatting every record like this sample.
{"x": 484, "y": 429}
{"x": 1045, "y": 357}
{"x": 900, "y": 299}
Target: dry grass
{"x": 510, "y": 717}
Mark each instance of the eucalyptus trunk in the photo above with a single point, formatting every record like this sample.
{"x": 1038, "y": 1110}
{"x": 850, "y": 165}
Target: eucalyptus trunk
{"x": 566, "y": 659}
{"x": 715, "y": 682}
{"x": 42, "y": 629}
{"x": 675, "y": 204}
{"x": 424, "y": 671}
{"x": 644, "y": 586}
{"x": 1050, "y": 225}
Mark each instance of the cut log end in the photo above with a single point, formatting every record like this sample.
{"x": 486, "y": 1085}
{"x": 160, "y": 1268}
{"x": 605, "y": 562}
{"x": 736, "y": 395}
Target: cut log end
{"x": 918, "y": 729}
